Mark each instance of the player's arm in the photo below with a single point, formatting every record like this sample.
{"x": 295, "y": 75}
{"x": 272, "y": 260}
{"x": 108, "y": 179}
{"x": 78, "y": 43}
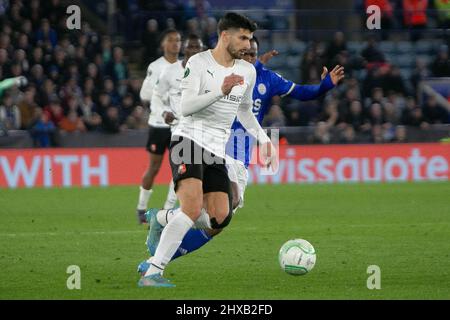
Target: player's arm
{"x": 10, "y": 82}
{"x": 160, "y": 97}
{"x": 311, "y": 92}
{"x": 148, "y": 85}
{"x": 248, "y": 120}
{"x": 192, "y": 100}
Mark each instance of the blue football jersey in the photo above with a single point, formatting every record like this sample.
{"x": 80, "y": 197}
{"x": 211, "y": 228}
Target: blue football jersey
{"x": 268, "y": 84}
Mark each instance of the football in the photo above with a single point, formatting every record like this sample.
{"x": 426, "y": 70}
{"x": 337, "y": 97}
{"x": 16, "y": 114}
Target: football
{"x": 297, "y": 257}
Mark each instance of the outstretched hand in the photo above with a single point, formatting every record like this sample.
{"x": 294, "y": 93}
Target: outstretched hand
{"x": 337, "y": 74}
{"x": 265, "y": 58}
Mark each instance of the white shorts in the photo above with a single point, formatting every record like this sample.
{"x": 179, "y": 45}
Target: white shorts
{"x": 239, "y": 175}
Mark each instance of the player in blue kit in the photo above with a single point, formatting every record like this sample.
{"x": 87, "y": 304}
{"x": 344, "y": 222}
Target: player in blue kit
{"x": 239, "y": 148}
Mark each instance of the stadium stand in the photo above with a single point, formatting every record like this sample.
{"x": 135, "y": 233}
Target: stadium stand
{"x": 89, "y": 80}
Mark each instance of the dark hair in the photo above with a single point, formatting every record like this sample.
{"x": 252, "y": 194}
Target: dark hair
{"x": 234, "y": 20}
{"x": 255, "y": 39}
{"x": 192, "y": 36}
{"x": 165, "y": 33}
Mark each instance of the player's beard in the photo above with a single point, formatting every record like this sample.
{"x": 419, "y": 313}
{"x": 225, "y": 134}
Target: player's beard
{"x": 235, "y": 54}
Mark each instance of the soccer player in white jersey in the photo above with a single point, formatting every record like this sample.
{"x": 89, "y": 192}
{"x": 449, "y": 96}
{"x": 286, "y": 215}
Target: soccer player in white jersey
{"x": 159, "y": 132}
{"x": 167, "y": 95}
{"x": 217, "y": 86}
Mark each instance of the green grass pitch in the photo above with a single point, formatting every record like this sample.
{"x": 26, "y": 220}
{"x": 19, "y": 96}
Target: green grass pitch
{"x": 402, "y": 228}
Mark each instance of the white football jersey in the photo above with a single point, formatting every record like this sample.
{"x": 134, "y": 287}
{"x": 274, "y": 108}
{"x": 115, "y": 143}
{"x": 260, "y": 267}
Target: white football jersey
{"x": 167, "y": 92}
{"x": 153, "y": 72}
{"x": 210, "y": 127}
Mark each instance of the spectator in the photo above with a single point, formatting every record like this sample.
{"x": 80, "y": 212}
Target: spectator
{"x": 9, "y": 114}
{"x": 72, "y": 123}
{"x": 441, "y": 65}
{"x": 211, "y": 37}
{"x": 420, "y": 72}
{"x": 150, "y": 41}
{"x": 275, "y": 118}
{"x": 43, "y": 130}
{"x": 37, "y": 75}
{"x": 415, "y": 118}
{"x": 372, "y": 54}
{"x": 348, "y": 135}
{"x": 117, "y": 69}
{"x": 28, "y": 108}
{"x": 55, "y": 111}
{"x": 106, "y": 50}
{"x": 127, "y": 107}
{"x": 434, "y": 113}
{"x": 356, "y": 117}
{"x": 90, "y": 89}
{"x": 109, "y": 88}
{"x": 335, "y": 47}
{"x": 46, "y": 35}
{"x": 111, "y": 121}
{"x": 400, "y": 134}
{"x": 47, "y": 93}
{"x": 376, "y": 115}
{"x": 394, "y": 81}
{"x": 391, "y": 113}
{"x": 20, "y": 57}
{"x": 137, "y": 119}
{"x": 91, "y": 118}
{"x": 321, "y": 133}
{"x": 93, "y": 72}
{"x": 415, "y": 16}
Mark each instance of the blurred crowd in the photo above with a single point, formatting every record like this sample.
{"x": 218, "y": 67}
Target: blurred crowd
{"x": 376, "y": 107}
{"x": 79, "y": 81}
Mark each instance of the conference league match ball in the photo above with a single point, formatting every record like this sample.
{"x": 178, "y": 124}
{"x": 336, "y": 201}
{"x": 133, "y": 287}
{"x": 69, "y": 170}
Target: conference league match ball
{"x": 297, "y": 257}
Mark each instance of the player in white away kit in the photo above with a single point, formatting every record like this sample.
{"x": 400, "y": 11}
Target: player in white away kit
{"x": 217, "y": 87}
{"x": 159, "y": 132}
{"x": 167, "y": 95}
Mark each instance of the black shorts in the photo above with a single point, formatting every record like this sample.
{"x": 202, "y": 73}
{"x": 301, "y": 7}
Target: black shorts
{"x": 158, "y": 140}
{"x": 199, "y": 164}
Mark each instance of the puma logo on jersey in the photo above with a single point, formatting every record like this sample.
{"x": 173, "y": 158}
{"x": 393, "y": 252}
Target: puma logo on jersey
{"x": 211, "y": 73}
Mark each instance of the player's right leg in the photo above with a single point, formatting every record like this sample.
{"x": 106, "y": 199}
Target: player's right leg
{"x": 196, "y": 238}
{"x": 158, "y": 141}
{"x": 187, "y": 176}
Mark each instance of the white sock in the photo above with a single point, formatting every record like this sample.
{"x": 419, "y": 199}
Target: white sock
{"x": 144, "y": 196}
{"x": 164, "y": 217}
{"x": 171, "y": 197}
{"x": 171, "y": 239}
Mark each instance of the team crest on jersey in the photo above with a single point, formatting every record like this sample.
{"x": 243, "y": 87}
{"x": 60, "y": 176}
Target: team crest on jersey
{"x": 182, "y": 169}
{"x": 153, "y": 147}
{"x": 186, "y": 73}
{"x": 262, "y": 89}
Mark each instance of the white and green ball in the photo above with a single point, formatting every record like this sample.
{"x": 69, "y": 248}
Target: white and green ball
{"x": 297, "y": 257}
